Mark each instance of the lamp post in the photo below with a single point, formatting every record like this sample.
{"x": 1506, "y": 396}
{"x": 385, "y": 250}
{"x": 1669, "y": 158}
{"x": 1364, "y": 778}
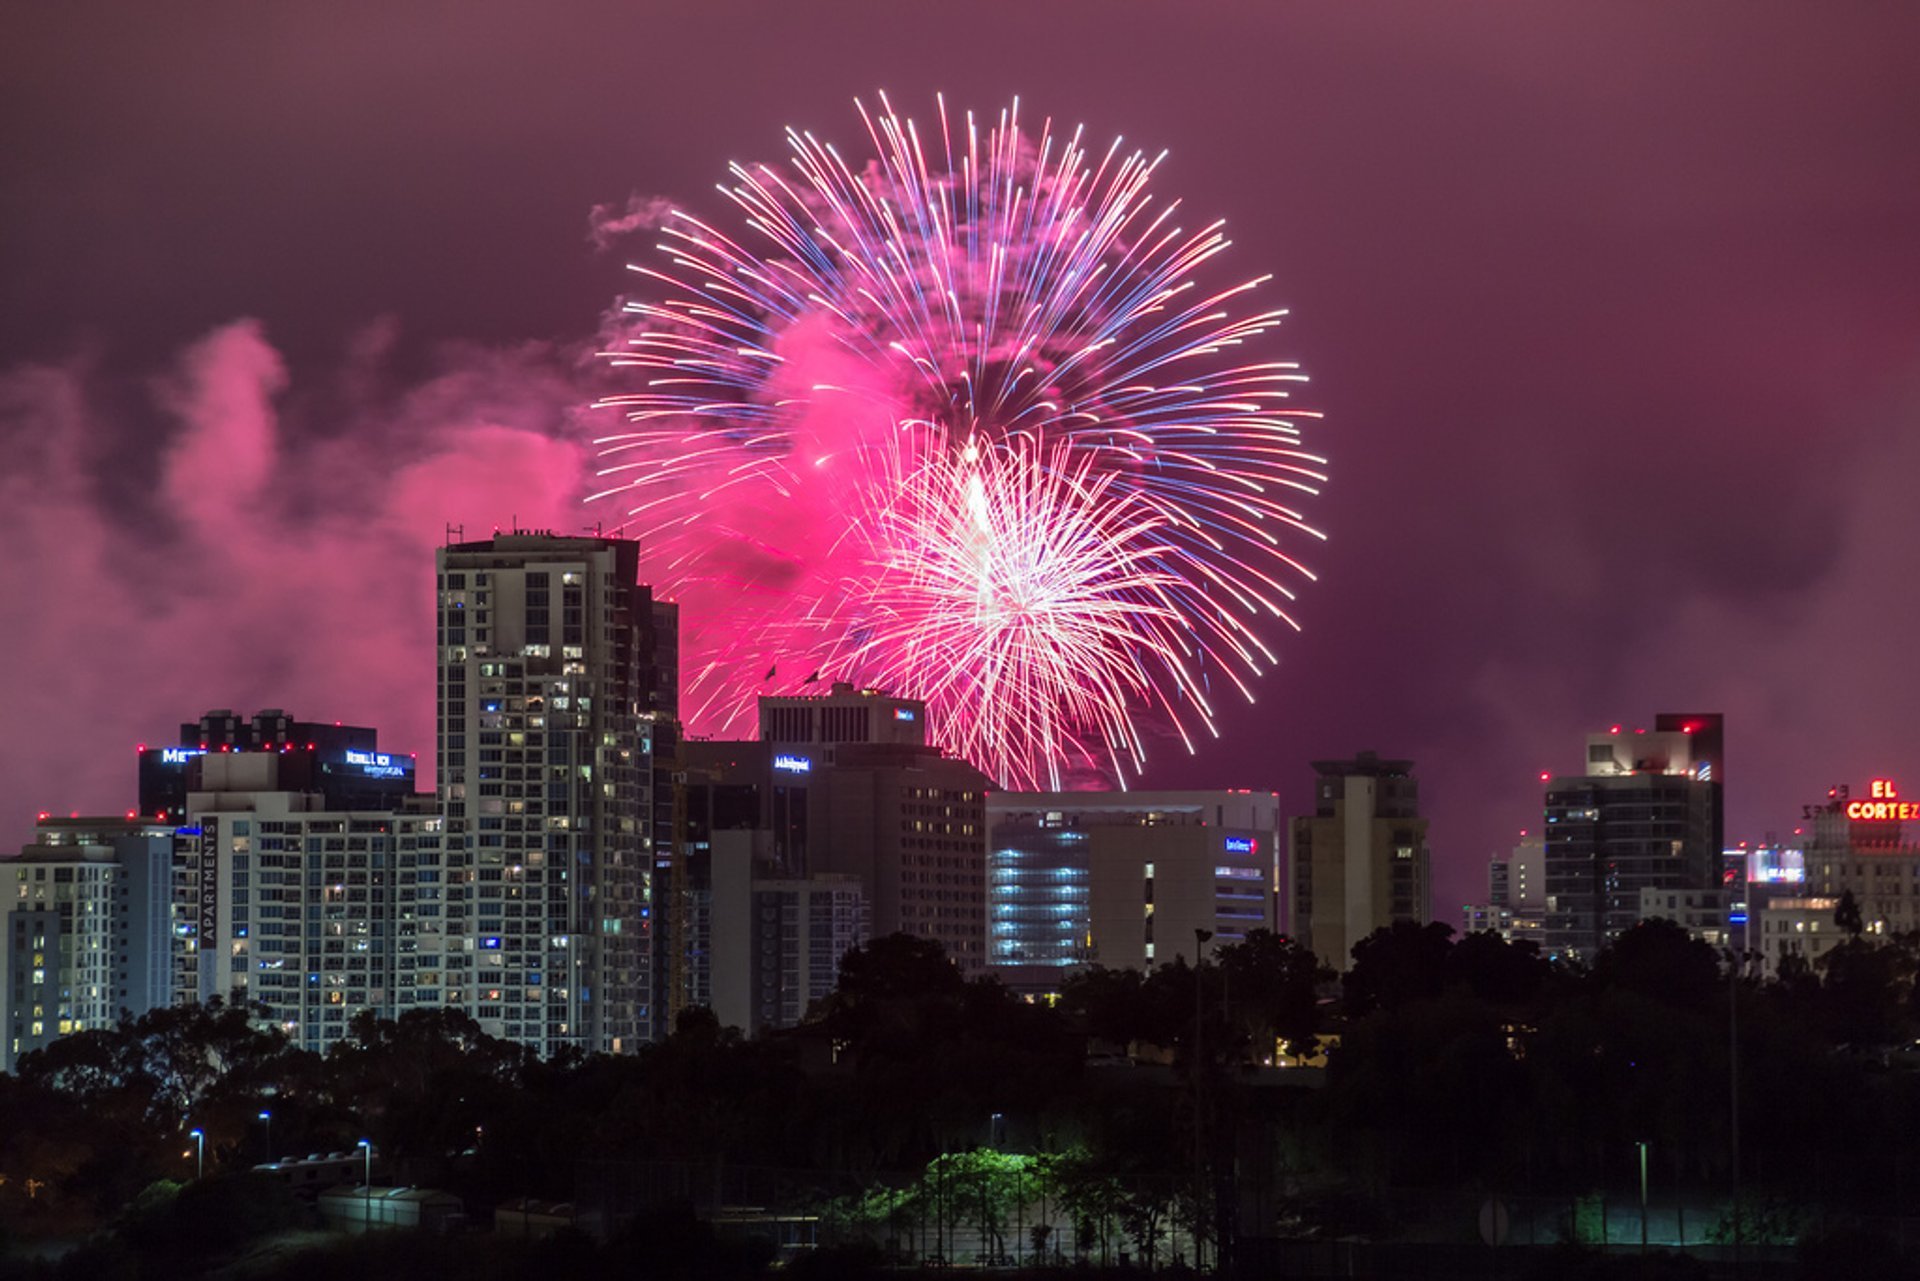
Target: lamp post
{"x": 366, "y": 1219}
{"x": 1643, "y": 1195}
{"x": 266, "y": 1118}
{"x": 199, "y": 1153}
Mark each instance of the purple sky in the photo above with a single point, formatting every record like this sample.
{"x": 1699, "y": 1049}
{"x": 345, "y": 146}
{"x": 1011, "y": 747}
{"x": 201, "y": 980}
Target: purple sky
{"x": 1614, "y": 311}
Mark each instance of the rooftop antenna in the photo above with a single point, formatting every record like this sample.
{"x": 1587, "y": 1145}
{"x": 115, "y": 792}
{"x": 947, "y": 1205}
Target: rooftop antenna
{"x": 455, "y": 533}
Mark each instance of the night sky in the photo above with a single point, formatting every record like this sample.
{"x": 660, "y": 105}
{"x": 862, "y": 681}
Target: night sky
{"x": 1614, "y": 312}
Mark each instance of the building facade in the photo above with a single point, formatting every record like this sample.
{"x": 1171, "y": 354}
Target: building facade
{"x": 85, "y": 933}
{"x": 557, "y": 678}
{"x": 1124, "y": 879}
{"x": 1360, "y": 860}
{"x": 1645, "y": 814}
{"x": 311, "y": 913}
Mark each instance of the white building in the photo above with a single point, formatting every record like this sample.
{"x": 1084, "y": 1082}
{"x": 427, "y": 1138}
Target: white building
{"x": 84, "y": 929}
{"x": 556, "y": 667}
{"x": 316, "y": 914}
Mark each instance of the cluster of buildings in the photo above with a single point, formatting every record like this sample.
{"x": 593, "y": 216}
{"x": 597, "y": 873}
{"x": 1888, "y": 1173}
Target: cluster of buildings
{"x": 1639, "y": 834}
{"x": 580, "y": 871}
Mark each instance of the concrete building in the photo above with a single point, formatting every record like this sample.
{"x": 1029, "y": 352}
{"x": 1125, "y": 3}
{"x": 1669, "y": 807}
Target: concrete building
{"x": 557, "y": 672}
{"x": 1702, "y": 913}
{"x": 1644, "y": 814}
{"x": 815, "y": 725}
{"x": 906, "y": 821}
{"x": 314, "y": 913}
{"x": 1360, "y": 861}
{"x": 776, "y": 941}
{"x": 1516, "y": 892}
{"x": 1796, "y": 925}
{"x": 741, "y": 926}
{"x": 84, "y": 933}
{"x": 1860, "y": 845}
{"x": 1124, "y": 878}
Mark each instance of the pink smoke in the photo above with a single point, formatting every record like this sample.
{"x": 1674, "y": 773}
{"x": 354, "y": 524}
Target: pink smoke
{"x": 268, "y": 570}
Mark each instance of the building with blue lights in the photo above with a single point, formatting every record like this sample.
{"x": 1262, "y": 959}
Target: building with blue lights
{"x": 1123, "y": 879}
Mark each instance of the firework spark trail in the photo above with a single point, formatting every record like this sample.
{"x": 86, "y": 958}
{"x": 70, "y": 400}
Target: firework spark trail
{"x": 961, "y": 421}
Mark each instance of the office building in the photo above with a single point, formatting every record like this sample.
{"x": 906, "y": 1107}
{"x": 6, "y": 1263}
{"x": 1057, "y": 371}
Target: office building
{"x": 557, "y": 679}
{"x": 740, "y": 924}
{"x": 1360, "y": 860}
{"x": 1645, "y": 814}
{"x": 85, "y": 914}
{"x": 1123, "y": 879}
{"x": 816, "y": 725}
{"x": 906, "y": 821}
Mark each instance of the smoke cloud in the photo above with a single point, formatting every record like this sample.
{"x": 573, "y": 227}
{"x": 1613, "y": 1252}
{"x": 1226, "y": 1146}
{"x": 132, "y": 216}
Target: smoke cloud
{"x": 266, "y": 566}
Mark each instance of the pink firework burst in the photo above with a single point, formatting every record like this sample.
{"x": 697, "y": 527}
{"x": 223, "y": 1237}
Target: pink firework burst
{"x": 962, "y": 422}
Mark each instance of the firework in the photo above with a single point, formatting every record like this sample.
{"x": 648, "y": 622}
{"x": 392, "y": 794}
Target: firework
{"x": 961, "y": 421}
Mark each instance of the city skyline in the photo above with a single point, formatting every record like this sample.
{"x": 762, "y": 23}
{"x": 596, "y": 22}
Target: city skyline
{"x": 1610, "y": 319}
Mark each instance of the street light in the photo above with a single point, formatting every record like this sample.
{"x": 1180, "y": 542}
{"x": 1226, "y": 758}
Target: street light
{"x": 366, "y": 1220}
{"x": 267, "y": 1117}
{"x": 199, "y": 1138}
{"x": 1643, "y": 1195}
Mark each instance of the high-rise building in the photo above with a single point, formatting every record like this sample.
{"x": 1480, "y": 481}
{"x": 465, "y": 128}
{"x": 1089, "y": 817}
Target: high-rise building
{"x": 740, "y": 825}
{"x": 1645, "y": 814}
{"x": 908, "y": 822}
{"x": 557, "y": 673}
{"x": 310, "y": 912}
{"x": 1360, "y": 861}
{"x": 1124, "y": 878}
{"x": 85, "y": 917}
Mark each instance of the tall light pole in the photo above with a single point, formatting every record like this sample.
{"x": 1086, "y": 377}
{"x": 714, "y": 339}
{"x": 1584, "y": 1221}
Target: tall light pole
{"x": 1643, "y": 1195}
{"x": 267, "y": 1117}
{"x": 366, "y": 1219}
{"x": 1200, "y": 937}
{"x": 199, "y": 1153}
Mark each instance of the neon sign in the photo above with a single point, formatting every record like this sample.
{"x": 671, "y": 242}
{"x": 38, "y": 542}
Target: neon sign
{"x": 180, "y": 755}
{"x": 903, "y": 713}
{"x": 1242, "y": 845}
{"x": 377, "y": 764}
{"x": 1884, "y": 805}
{"x": 793, "y": 764}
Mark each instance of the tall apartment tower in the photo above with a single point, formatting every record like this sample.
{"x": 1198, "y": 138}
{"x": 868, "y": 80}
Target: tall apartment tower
{"x": 311, "y": 910}
{"x": 557, "y": 677}
{"x": 1360, "y": 861}
{"x": 1645, "y": 814}
{"x": 85, "y": 929}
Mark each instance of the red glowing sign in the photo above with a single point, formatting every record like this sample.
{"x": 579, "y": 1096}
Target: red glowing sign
{"x": 1885, "y": 804}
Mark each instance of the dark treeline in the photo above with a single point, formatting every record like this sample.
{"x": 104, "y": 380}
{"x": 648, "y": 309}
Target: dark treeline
{"x": 1450, "y": 1065}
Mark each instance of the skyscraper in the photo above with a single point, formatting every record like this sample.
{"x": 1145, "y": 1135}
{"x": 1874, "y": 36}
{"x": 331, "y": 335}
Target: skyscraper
{"x": 85, "y": 916}
{"x": 1646, "y": 814}
{"x": 557, "y": 679}
{"x": 1360, "y": 861}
